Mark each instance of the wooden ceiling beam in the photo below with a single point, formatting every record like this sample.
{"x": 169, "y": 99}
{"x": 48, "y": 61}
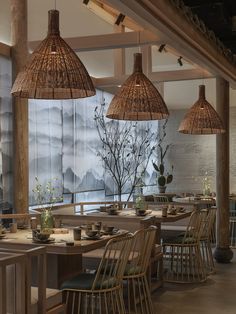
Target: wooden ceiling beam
{"x": 108, "y": 41}
{"x": 155, "y": 77}
{"x": 110, "y": 15}
{"x": 178, "y": 32}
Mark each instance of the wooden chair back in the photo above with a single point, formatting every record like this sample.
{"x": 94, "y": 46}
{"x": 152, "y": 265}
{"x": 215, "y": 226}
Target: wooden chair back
{"x": 111, "y": 268}
{"x": 195, "y": 227}
{"x": 209, "y": 222}
{"x": 142, "y": 246}
{"x": 161, "y": 199}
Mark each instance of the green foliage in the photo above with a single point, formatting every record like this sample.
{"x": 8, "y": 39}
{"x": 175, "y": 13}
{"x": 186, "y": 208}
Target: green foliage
{"x": 169, "y": 178}
{"x": 125, "y": 150}
{"x": 162, "y": 150}
{"x": 161, "y": 180}
{"x": 50, "y": 193}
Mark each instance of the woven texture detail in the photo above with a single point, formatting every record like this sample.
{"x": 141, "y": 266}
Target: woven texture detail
{"x": 201, "y": 118}
{"x": 138, "y": 98}
{"x": 54, "y": 70}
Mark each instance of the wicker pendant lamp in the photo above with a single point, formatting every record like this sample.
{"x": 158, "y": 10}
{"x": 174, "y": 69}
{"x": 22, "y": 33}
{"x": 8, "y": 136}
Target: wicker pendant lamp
{"x": 138, "y": 98}
{"x": 54, "y": 70}
{"x": 201, "y": 118}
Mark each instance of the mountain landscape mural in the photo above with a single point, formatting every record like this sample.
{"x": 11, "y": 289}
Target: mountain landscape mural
{"x": 64, "y": 144}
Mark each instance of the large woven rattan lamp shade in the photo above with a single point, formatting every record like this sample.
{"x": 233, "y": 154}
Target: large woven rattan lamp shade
{"x": 138, "y": 98}
{"x": 54, "y": 71}
{"x": 201, "y": 118}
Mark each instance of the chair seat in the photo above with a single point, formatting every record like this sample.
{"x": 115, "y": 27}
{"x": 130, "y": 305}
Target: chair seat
{"x": 179, "y": 240}
{"x": 132, "y": 270}
{"x": 53, "y": 298}
{"x": 84, "y": 281}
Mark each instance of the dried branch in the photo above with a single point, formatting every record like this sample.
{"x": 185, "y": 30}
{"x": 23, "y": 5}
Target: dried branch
{"x": 126, "y": 149}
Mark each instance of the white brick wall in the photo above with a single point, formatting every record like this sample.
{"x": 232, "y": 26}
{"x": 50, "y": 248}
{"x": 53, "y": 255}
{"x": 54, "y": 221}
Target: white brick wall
{"x": 193, "y": 155}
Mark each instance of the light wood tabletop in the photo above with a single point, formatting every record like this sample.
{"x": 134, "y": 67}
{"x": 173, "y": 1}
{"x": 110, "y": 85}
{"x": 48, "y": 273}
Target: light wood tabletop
{"x": 23, "y": 239}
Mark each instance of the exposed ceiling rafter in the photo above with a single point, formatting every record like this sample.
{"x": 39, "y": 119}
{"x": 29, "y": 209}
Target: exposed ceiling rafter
{"x": 156, "y": 77}
{"x": 110, "y": 15}
{"x": 108, "y": 41}
{"x": 179, "y": 32}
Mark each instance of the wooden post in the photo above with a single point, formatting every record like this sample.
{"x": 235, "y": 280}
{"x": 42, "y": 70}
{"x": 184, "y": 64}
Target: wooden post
{"x": 223, "y": 253}
{"x": 20, "y": 108}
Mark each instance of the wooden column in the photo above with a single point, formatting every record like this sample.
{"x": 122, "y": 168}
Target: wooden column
{"x": 20, "y": 108}
{"x": 223, "y": 253}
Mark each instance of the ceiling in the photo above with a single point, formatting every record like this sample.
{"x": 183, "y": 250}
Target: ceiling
{"x": 219, "y": 16}
{"x": 100, "y": 63}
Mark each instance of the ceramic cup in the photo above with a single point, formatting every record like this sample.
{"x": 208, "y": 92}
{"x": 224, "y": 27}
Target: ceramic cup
{"x": 77, "y": 234}
{"x": 13, "y": 227}
{"x": 164, "y": 212}
{"x": 33, "y": 223}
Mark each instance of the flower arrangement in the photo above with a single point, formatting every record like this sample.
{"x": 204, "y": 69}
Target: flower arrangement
{"x": 46, "y": 196}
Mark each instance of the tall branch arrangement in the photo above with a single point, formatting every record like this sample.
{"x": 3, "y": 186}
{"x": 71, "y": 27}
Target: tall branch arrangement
{"x": 162, "y": 149}
{"x": 126, "y": 150}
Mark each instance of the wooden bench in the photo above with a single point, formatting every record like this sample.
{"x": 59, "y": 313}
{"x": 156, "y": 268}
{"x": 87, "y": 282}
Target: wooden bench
{"x": 38, "y": 300}
{"x": 12, "y": 283}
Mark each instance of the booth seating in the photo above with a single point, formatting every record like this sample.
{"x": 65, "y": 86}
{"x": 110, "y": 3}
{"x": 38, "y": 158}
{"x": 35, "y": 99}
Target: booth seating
{"x": 12, "y": 283}
{"x": 38, "y": 299}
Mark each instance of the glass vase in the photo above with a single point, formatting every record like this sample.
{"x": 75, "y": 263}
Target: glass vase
{"x": 46, "y": 219}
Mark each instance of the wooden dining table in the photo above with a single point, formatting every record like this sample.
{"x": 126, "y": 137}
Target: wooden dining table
{"x": 126, "y": 219}
{"x": 196, "y": 202}
{"x": 63, "y": 261}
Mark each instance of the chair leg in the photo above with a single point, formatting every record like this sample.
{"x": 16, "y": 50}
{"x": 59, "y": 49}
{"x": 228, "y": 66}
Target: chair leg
{"x": 139, "y": 297}
{"x": 184, "y": 264}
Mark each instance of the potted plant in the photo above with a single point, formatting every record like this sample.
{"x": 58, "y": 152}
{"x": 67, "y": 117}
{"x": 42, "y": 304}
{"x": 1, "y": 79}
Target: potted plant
{"x": 162, "y": 179}
{"x": 45, "y": 196}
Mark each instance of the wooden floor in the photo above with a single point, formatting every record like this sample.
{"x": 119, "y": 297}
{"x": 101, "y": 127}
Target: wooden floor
{"x": 216, "y": 296}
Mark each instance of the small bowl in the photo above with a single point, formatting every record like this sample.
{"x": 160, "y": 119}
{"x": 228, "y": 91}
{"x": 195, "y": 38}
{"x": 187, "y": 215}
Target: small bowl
{"x": 108, "y": 229}
{"x": 92, "y": 233}
{"x": 41, "y": 236}
{"x": 141, "y": 212}
{"x": 112, "y": 211}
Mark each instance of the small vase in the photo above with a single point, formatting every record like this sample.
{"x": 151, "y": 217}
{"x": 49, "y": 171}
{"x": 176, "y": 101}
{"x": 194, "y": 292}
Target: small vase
{"x": 46, "y": 219}
{"x": 162, "y": 189}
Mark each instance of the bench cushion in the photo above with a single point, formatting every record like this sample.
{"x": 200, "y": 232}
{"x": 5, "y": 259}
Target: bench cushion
{"x": 85, "y": 281}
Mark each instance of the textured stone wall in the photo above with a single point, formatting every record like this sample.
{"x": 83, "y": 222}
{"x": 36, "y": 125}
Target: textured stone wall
{"x": 193, "y": 155}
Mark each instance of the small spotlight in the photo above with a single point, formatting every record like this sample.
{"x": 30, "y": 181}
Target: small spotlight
{"x": 180, "y": 62}
{"x": 162, "y": 48}
{"x": 120, "y": 19}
